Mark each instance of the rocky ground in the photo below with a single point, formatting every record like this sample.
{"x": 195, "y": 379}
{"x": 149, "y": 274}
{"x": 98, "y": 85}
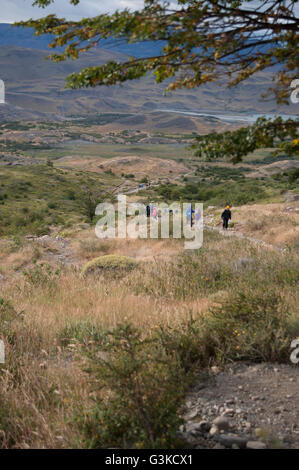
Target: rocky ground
{"x": 252, "y": 406}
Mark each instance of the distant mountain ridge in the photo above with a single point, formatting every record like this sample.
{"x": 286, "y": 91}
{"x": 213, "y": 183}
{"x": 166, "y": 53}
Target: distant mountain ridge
{"x": 36, "y": 87}
{"x": 24, "y": 37}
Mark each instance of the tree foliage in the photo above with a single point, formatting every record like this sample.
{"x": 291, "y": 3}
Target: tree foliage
{"x": 263, "y": 133}
{"x": 204, "y": 41}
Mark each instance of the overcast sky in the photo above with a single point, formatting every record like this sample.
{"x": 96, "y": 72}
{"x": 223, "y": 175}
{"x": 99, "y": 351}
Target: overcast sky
{"x": 17, "y": 10}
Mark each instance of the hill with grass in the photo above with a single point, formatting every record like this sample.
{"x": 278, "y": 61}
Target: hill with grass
{"x": 36, "y": 86}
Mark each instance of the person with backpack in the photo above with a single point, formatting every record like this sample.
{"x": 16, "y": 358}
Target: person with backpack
{"x": 226, "y": 216}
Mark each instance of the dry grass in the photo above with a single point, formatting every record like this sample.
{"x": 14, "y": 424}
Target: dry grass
{"x": 153, "y": 168}
{"x": 87, "y": 246}
{"x": 45, "y": 387}
{"x": 273, "y": 223}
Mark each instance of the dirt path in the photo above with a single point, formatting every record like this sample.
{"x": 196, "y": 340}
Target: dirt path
{"x": 256, "y": 402}
{"x": 234, "y": 233}
{"x": 55, "y": 249}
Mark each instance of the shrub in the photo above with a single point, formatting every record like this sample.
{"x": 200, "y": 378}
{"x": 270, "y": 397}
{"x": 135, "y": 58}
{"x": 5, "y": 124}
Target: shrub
{"x": 42, "y": 274}
{"x": 83, "y": 331}
{"x": 252, "y": 325}
{"x": 145, "y": 388}
{"x": 109, "y": 263}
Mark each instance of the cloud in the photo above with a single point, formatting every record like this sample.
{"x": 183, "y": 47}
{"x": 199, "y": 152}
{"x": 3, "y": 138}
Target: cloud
{"x": 17, "y": 10}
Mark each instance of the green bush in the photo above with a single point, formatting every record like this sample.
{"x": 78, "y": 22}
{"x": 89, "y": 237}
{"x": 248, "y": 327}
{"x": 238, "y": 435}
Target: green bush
{"x": 145, "y": 388}
{"x": 252, "y": 325}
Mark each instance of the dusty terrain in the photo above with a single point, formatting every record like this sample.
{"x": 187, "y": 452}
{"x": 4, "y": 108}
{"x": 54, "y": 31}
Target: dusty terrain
{"x": 153, "y": 168}
{"x": 276, "y": 223}
{"x": 259, "y": 402}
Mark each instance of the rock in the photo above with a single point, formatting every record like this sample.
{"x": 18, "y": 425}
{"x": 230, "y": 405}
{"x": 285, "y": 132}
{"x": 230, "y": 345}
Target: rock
{"x": 221, "y": 423}
{"x": 191, "y": 414}
{"x": 290, "y": 197}
{"x": 204, "y": 426}
{"x": 255, "y": 445}
{"x": 229, "y": 412}
{"x": 219, "y": 446}
{"x": 231, "y": 401}
{"x": 228, "y": 440}
{"x": 213, "y": 431}
{"x": 198, "y": 428}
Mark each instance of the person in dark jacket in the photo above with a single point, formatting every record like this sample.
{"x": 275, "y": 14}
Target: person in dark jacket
{"x": 148, "y": 210}
{"x": 226, "y": 216}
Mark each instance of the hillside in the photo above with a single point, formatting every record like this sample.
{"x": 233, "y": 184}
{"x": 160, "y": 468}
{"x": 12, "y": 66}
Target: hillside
{"x": 127, "y": 339}
{"x": 36, "y": 85}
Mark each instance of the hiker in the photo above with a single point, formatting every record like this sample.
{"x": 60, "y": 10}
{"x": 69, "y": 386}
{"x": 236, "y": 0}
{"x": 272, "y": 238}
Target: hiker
{"x": 226, "y": 216}
{"x": 197, "y": 217}
{"x": 189, "y": 215}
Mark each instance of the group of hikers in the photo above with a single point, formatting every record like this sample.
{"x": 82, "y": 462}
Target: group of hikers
{"x": 151, "y": 210}
{"x": 191, "y": 216}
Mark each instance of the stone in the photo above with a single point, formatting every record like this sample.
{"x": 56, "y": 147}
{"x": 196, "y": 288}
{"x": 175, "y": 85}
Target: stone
{"x": 290, "y": 197}
{"x": 191, "y": 414}
{"x": 218, "y": 446}
{"x": 221, "y": 423}
{"x": 213, "y": 431}
{"x": 255, "y": 445}
{"x": 229, "y": 412}
{"x": 198, "y": 428}
{"x": 231, "y": 401}
{"x": 229, "y": 439}
{"x": 204, "y": 426}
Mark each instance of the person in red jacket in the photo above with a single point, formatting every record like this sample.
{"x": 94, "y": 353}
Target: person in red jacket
{"x": 226, "y": 216}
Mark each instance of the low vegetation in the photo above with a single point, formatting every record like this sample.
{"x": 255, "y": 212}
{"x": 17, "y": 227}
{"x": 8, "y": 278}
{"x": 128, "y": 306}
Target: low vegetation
{"x": 104, "y": 338}
{"x": 116, "y": 263}
{"x": 36, "y": 197}
{"x": 218, "y": 186}
{"x": 106, "y": 362}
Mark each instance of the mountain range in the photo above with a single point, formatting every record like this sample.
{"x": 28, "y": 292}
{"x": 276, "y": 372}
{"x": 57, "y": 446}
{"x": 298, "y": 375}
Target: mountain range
{"x": 35, "y": 87}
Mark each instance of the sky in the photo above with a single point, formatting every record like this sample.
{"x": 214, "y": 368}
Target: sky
{"x": 18, "y": 10}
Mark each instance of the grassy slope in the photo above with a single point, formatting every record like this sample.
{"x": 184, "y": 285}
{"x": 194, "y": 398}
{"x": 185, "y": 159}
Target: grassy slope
{"x": 34, "y": 198}
{"x": 197, "y": 309}
{"x": 57, "y": 392}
